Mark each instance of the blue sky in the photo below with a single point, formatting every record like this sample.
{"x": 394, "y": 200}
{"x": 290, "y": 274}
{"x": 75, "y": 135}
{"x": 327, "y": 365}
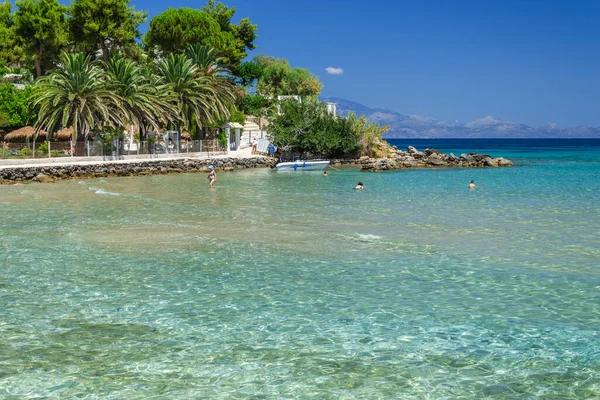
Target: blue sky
{"x": 524, "y": 61}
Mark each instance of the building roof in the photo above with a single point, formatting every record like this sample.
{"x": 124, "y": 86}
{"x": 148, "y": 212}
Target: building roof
{"x": 232, "y": 125}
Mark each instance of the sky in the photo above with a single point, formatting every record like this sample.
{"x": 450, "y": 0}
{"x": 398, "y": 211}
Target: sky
{"x": 527, "y": 61}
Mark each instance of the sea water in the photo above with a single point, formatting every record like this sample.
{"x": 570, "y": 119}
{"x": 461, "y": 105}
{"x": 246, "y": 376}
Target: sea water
{"x": 294, "y": 285}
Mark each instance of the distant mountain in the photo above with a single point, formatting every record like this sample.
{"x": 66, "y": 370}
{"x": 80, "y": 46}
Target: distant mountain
{"x": 417, "y": 126}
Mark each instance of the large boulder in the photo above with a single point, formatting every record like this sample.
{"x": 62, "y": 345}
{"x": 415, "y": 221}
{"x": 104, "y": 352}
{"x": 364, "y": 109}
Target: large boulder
{"x": 43, "y": 178}
{"x": 503, "y": 162}
{"x": 435, "y": 160}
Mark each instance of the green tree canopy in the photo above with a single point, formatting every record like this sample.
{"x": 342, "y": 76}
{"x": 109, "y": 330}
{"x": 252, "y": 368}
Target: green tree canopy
{"x": 41, "y": 25}
{"x": 249, "y": 73}
{"x": 76, "y": 94}
{"x": 175, "y": 29}
{"x": 104, "y": 24}
{"x": 14, "y": 106}
{"x": 191, "y": 91}
{"x": 306, "y": 127}
{"x": 278, "y": 78}
{"x": 144, "y": 100}
{"x": 10, "y": 50}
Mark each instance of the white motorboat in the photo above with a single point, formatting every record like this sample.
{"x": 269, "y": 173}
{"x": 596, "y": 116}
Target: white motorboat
{"x": 302, "y": 165}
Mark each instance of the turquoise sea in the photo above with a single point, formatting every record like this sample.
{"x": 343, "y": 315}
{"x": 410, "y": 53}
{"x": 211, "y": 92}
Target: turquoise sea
{"x": 295, "y": 286}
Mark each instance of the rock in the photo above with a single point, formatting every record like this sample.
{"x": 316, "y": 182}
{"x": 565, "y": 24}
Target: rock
{"x": 435, "y": 160}
{"x": 503, "y": 162}
{"x": 467, "y": 157}
{"x": 429, "y": 152}
{"x": 411, "y": 150}
{"x": 489, "y": 162}
{"x": 43, "y": 178}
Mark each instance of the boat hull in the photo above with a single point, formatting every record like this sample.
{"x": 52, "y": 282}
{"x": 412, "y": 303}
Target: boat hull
{"x": 301, "y": 165}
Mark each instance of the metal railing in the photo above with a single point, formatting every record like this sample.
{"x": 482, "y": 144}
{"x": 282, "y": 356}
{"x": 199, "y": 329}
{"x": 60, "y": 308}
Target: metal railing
{"x": 114, "y": 148}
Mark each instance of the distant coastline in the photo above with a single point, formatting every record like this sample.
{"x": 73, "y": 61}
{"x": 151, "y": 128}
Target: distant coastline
{"x": 403, "y": 126}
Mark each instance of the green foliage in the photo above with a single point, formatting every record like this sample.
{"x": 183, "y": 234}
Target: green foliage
{"x": 104, "y": 24}
{"x": 222, "y": 138}
{"x": 190, "y": 90}
{"x": 307, "y": 127}
{"x": 10, "y": 49}
{"x": 144, "y": 100}
{"x": 278, "y": 78}
{"x": 254, "y": 104}
{"x": 210, "y": 69}
{"x": 237, "y": 116}
{"x": 41, "y": 25}
{"x": 249, "y": 73}
{"x": 14, "y": 106}
{"x": 174, "y": 30}
{"x": 43, "y": 148}
{"x": 25, "y": 152}
{"x": 76, "y": 94}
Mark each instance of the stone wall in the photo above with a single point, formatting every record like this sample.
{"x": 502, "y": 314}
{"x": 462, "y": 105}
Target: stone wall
{"x": 50, "y": 173}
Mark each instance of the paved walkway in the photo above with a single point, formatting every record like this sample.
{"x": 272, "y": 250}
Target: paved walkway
{"x": 62, "y": 161}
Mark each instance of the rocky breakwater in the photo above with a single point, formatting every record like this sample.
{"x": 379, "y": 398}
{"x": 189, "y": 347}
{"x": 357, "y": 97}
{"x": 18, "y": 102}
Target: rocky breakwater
{"x": 50, "y": 173}
{"x": 413, "y": 158}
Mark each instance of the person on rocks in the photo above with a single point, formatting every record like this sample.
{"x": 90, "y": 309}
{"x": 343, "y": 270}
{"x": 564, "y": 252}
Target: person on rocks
{"x": 472, "y": 184}
{"x": 271, "y": 149}
{"x": 212, "y": 176}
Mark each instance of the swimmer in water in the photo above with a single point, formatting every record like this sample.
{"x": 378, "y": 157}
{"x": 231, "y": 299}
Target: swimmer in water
{"x": 472, "y": 184}
{"x": 212, "y": 175}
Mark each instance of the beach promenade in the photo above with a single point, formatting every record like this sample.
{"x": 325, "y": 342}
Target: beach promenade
{"x": 105, "y": 160}
{"x": 49, "y": 170}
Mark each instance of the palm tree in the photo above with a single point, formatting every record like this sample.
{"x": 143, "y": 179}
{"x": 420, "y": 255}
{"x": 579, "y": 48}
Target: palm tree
{"x": 145, "y": 101}
{"x": 192, "y": 93}
{"x": 210, "y": 67}
{"x": 76, "y": 94}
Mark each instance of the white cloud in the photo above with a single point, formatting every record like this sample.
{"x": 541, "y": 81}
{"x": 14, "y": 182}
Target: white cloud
{"x": 334, "y": 71}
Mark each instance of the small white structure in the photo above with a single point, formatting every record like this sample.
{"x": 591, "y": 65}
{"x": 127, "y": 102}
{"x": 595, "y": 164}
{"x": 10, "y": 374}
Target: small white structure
{"x": 233, "y": 139}
{"x": 16, "y": 80}
{"x": 331, "y": 108}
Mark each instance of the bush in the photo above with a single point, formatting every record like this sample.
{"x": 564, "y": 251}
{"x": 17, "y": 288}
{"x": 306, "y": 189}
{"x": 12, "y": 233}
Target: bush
{"x": 43, "y": 147}
{"x": 222, "y": 138}
{"x": 25, "y": 152}
{"x": 306, "y": 127}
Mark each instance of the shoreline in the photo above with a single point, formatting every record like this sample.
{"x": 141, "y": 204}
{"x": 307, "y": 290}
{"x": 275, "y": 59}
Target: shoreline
{"x": 59, "y": 169}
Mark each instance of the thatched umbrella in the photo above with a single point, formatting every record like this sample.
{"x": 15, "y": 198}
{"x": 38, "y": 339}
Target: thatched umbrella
{"x": 23, "y": 134}
{"x": 186, "y": 136}
{"x": 63, "y": 135}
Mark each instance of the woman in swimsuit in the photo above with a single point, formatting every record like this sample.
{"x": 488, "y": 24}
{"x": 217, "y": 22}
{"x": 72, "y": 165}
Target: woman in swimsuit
{"x": 212, "y": 175}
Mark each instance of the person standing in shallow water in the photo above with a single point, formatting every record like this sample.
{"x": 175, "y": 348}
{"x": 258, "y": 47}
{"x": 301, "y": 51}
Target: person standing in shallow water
{"x": 324, "y": 173}
{"x": 212, "y": 176}
{"x": 359, "y": 186}
{"x": 472, "y": 184}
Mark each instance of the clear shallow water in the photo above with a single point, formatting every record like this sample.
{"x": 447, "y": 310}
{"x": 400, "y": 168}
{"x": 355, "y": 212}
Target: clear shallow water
{"x": 278, "y": 285}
